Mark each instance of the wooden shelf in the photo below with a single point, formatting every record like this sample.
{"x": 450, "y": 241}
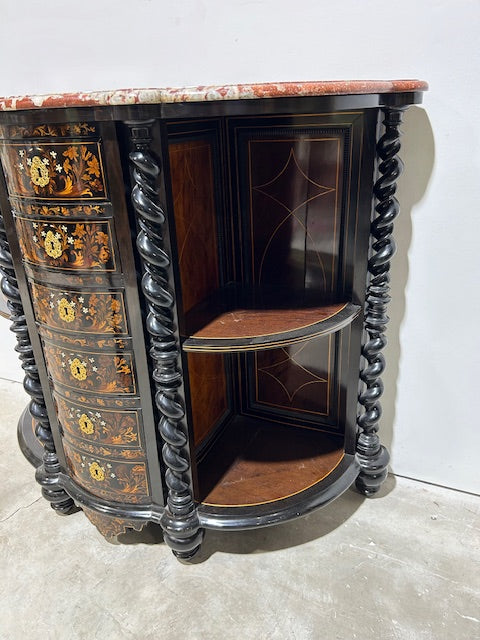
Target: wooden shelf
{"x": 255, "y": 462}
{"x": 229, "y": 323}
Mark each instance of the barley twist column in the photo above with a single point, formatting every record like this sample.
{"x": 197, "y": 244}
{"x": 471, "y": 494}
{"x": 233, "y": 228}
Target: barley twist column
{"x": 180, "y": 521}
{"x": 372, "y": 455}
{"x": 48, "y": 473}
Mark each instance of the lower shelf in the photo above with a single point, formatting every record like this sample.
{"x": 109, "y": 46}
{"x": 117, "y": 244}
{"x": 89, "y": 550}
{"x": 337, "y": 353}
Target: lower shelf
{"x": 260, "y": 473}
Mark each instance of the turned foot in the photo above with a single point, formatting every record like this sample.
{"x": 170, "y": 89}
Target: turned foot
{"x": 373, "y": 471}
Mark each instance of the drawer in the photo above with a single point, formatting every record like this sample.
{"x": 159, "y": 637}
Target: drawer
{"x": 99, "y": 426}
{"x": 77, "y": 246}
{"x": 95, "y": 372}
{"x": 116, "y": 480}
{"x": 96, "y": 312}
{"x": 54, "y": 170}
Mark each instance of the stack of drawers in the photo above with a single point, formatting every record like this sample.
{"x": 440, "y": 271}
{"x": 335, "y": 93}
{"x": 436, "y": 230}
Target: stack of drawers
{"x": 59, "y": 195}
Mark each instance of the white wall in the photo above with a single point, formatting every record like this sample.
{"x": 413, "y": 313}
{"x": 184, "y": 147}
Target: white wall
{"x": 432, "y": 402}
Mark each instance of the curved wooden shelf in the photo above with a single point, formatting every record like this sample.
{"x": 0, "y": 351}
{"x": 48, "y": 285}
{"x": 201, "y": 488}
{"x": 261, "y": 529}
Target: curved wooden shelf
{"x": 243, "y": 329}
{"x": 265, "y": 471}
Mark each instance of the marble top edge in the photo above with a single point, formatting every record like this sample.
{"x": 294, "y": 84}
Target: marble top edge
{"x": 209, "y": 93}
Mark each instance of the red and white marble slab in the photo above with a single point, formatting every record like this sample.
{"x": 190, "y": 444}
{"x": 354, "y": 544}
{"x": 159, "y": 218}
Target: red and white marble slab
{"x": 209, "y": 93}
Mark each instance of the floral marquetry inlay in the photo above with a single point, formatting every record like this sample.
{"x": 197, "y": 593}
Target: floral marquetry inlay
{"x": 95, "y": 372}
{"x": 56, "y": 170}
{"x": 96, "y": 312}
{"x": 23, "y": 208}
{"x": 66, "y": 245}
{"x": 118, "y": 480}
{"x": 102, "y": 426}
{"x": 73, "y": 129}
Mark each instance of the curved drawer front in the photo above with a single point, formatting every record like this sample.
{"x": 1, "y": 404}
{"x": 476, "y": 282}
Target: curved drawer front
{"x": 78, "y": 246}
{"x": 99, "y": 426}
{"x": 54, "y": 170}
{"x": 99, "y": 373}
{"x": 91, "y": 312}
{"x": 116, "y": 480}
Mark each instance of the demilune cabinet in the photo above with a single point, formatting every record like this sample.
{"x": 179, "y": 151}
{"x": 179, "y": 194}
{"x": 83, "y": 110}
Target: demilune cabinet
{"x": 198, "y": 281}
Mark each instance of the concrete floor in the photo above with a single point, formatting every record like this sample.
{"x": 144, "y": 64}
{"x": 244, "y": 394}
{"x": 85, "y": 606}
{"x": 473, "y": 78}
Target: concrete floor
{"x": 403, "y": 566}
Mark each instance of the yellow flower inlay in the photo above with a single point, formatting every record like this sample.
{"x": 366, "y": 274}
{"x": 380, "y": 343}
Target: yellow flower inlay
{"x": 86, "y": 425}
{"x": 53, "y": 246}
{"x": 78, "y": 369}
{"x": 39, "y": 173}
{"x": 66, "y": 311}
{"x": 96, "y": 471}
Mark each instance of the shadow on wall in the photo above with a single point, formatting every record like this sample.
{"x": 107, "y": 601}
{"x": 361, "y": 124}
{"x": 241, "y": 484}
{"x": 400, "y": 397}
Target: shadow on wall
{"x": 417, "y": 153}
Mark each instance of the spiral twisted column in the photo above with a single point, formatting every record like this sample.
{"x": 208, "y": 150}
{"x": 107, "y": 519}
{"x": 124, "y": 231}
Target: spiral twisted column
{"x": 180, "y": 522}
{"x": 372, "y": 455}
{"x": 48, "y": 473}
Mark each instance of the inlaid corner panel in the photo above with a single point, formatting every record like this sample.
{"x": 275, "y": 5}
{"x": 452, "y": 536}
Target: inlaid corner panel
{"x": 91, "y": 312}
{"x": 294, "y": 193}
{"x": 97, "y": 372}
{"x": 292, "y": 183}
{"x": 299, "y": 382}
{"x": 117, "y": 480}
{"x": 193, "y": 157}
{"x": 54, "y": 170}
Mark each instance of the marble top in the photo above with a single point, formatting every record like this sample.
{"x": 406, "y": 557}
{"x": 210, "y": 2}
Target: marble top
{"x": 209, "y": 93}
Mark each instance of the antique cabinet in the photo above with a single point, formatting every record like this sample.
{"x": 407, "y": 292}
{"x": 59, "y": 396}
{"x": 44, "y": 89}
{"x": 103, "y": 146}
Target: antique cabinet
{"x": 198, "y": 280}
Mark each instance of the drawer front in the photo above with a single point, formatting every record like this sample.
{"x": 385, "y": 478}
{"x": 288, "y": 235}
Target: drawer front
{"x": 116, "y": 480}
{"x": 54, "y": 170}
{"x": 104, "y": 373}
{"x": 87, "y": 312}
{"x": 99, "y": 426}
{"x": 77, "y": 246}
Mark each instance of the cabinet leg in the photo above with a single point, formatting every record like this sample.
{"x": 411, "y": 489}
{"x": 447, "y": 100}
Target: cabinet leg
{"x": 47, "y": 474}
{"x": 180, "y": 521}
{"x": 372, "y": 455}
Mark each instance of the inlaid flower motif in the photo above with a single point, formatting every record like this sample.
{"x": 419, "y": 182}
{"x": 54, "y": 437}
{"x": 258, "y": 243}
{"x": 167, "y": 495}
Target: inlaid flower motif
{"x": 96, "y": 471}
{"x": 53, "y": 246}
{"x": 38, "y": 172}
{"x": 66, "y": 310}
{"x": 86, "y": 425}
{"x": 78, "y": 369}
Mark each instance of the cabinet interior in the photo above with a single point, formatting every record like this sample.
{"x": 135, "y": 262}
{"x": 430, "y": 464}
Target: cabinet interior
{"x": 265, "y": 216}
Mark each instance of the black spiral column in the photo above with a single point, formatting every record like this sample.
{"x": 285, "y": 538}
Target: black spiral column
{"x": 372, "y": 455}
{"x": 180, "y": 522}
{"x": 48, "y": 473}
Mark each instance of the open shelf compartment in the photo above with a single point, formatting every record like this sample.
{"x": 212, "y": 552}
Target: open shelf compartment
{"x": 260, "y": 473}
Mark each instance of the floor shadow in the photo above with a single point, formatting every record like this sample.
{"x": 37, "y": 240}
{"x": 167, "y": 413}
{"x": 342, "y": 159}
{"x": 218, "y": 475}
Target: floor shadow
{"x": 268, "y": 539}
{"x": 291, "y": 534}
{"x": 418, "y": 155}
